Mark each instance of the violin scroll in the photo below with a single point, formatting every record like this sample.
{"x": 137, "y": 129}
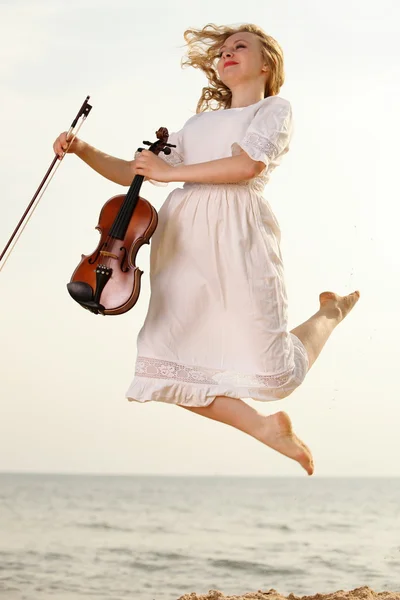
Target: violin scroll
{"x": 162, "y": 134}
{"x": 162, "y": 144}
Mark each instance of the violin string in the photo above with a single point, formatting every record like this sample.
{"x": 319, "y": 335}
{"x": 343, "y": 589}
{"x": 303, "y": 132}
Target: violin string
{"x": 125, "y": 211}
{"x": 130, "y": 197}
{"x": 122, "y": 214}
{"x": 126, "y": 207}
{"x": 34, "y": 206}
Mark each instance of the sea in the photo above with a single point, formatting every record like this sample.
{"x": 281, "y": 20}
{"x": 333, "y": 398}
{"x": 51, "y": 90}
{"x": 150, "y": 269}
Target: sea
{"x": 75, "y": 537}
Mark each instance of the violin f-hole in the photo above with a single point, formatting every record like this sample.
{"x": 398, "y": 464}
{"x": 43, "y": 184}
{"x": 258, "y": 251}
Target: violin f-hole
{"x": 124, "y": 260}
{"x": 95, "y": 258}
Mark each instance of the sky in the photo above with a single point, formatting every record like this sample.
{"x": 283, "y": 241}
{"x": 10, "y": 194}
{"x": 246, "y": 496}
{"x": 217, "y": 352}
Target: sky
{"x": 64, "y": 371}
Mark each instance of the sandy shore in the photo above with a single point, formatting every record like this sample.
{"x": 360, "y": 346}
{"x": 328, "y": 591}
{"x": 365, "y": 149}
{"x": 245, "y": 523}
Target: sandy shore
{"x": 363, "y": 593}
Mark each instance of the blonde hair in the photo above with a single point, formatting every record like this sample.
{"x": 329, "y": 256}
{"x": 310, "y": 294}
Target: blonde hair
{"x": 202, "y": 53}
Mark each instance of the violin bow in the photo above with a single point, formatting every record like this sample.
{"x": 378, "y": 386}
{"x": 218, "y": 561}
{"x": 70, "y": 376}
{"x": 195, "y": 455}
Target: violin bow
{"x": 71, "y": 135}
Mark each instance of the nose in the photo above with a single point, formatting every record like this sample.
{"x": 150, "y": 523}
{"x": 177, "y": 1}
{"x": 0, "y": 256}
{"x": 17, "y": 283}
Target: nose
{"x": 227, "y": 54}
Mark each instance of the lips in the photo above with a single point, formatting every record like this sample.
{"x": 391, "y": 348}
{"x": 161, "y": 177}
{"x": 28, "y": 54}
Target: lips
{"x": 229, "y": 63}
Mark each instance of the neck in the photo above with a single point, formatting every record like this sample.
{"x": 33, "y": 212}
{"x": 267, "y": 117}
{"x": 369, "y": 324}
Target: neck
{"x": 247, "y": 93}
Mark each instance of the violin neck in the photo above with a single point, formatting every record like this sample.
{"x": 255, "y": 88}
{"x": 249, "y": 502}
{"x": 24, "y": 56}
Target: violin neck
{"x": 135, "y": 186}
{"x": 121, "y": 222}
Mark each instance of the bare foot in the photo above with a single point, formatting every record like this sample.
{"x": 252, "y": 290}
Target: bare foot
{"x": 278, "y": 435}
{"x": 338, "y": 306}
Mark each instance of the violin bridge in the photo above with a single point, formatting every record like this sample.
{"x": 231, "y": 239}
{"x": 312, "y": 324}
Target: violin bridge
{"x": 108, "y": 254}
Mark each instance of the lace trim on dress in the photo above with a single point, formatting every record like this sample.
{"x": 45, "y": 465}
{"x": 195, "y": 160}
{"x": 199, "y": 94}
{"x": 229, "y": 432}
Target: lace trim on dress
{"x": 258, "y": 146}
{"x": 154, "y": 368}
{"x": 174, "y": 159}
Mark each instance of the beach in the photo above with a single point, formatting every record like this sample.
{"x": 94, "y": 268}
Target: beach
{"x": 362, "y": 593}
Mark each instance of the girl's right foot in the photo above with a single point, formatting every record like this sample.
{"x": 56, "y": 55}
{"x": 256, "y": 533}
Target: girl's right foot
{"x": 278, "y": 434}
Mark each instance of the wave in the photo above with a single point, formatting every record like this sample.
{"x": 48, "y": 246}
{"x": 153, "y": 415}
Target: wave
{"x": 330, "y": 526}
{"x": 122, "y": 551}
{"x": 273, "y": 526}
{"x": 103, "y": 527}
{"x": 56, "y": 556}
{"x": 254, "y": 567}
{"x": 170, "y": 556}
{"x": 341, "y": 566}
{"x": 143, "y": 566}
{"x": 156, "y": 555}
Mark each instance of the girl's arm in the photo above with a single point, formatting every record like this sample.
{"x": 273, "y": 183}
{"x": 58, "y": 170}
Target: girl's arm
{"x": 115, "y": 169}
{"x": 223, "y": 170}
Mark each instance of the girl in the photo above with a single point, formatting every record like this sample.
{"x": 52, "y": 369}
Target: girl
{"x": 216, "y": 328}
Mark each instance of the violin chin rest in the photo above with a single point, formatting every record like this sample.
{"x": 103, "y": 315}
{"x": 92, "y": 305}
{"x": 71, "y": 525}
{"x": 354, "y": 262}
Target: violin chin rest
{"x": 82, "y": 293}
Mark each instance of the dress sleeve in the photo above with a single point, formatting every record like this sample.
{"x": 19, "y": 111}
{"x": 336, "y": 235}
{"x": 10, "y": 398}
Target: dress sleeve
{"x": 176, "y": 156}
{"x": 269, "y": 133}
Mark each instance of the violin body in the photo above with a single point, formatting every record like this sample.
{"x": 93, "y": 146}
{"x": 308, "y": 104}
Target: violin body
{"x": 107, "y": 282}
{"x": 122, "y": 290}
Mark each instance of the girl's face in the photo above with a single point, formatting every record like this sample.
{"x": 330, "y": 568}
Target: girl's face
{"x": 240, "y": 59}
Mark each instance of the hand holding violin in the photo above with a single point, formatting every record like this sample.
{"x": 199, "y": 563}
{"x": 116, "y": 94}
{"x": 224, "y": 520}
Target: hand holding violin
{"x": 152, "y": 166}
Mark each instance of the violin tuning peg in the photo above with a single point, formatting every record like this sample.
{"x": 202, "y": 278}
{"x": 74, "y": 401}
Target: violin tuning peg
{"x": 147, "y": 143}
{"x": 166, "y": 150}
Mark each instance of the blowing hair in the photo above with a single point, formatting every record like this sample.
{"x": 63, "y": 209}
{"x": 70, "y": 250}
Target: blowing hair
{"x": 202, "y": 53}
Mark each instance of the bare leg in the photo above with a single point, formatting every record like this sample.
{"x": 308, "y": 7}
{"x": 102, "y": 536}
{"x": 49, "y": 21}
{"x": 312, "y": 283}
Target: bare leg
{"x": 274, "y": 431}
{"x": 315, "y": 332}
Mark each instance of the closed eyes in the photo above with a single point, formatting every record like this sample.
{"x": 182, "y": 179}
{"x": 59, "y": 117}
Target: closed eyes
{"x": 219, "y": 55}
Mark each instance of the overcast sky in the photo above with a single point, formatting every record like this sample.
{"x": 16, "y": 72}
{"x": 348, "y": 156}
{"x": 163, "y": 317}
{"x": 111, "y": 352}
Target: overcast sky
{"x": 64, "y": 371}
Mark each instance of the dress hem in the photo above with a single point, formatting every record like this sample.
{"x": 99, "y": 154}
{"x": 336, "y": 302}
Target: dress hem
{"x": 144, "y": 389}
{"x": 172, "y": 391}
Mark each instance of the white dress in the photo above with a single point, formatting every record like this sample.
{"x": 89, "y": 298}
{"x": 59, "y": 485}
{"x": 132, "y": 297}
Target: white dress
{"x": 217, "y": 317}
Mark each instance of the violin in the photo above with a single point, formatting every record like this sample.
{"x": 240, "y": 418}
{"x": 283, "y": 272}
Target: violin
{"x": 107, "y": 282}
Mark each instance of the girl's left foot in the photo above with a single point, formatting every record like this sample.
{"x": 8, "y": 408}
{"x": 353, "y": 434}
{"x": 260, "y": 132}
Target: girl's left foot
{"x": 337, "y": 306}
{"x": 278, "y": 434}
